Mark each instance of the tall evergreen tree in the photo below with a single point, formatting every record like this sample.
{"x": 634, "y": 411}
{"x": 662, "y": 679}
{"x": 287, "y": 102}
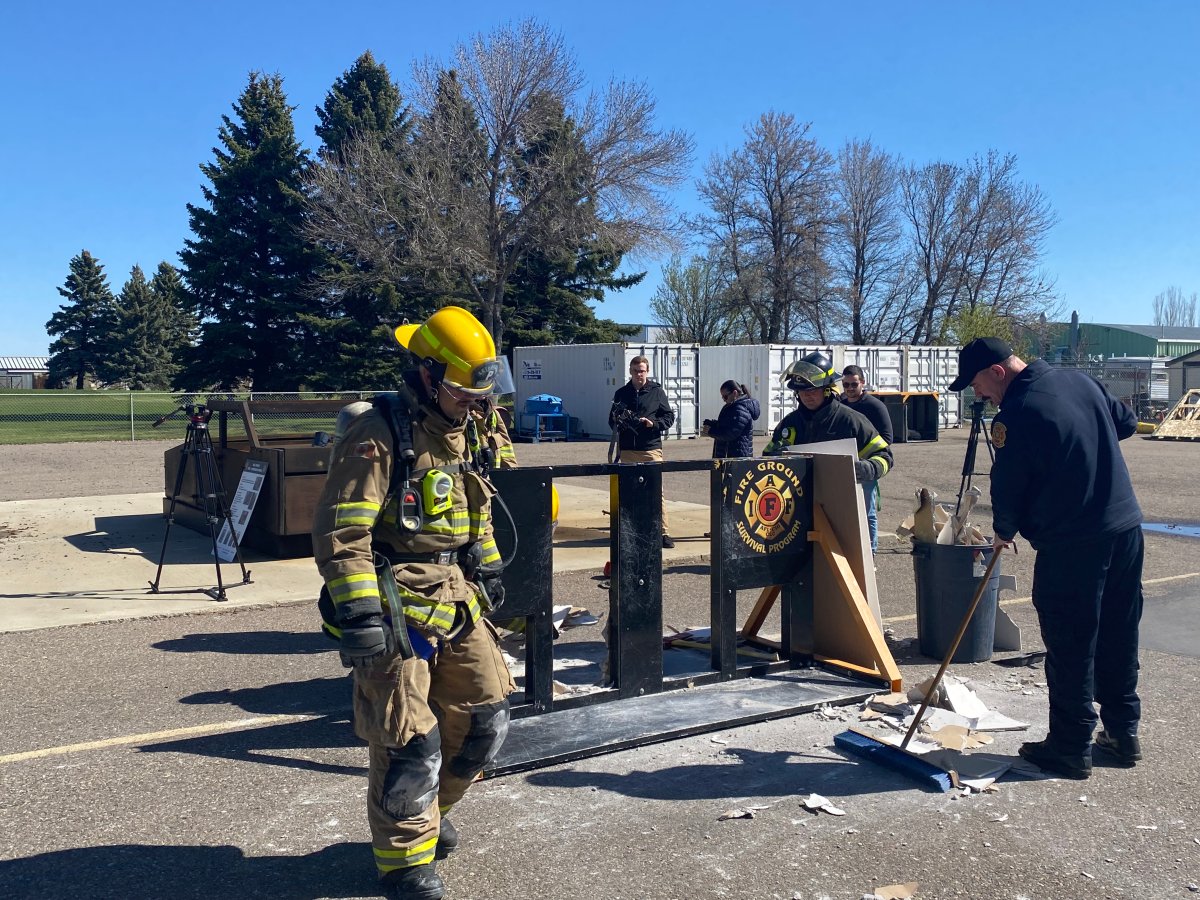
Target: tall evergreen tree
{"x": 359, "y": 301}
{"x": 139, "y": 357}
{"x": 182, "y": 322}
{"x": 364, "y": 101}
{"x": 83, "y": 325}
{"x": 546, "y": 297}
{"x": 249, "y": 266}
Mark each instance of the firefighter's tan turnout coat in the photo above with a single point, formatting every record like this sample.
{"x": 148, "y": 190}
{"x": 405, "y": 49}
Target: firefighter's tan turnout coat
{"x": 432, "y": 724}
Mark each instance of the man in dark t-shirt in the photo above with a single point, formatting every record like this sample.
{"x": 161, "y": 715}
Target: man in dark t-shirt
{"x": 855, "y": 396}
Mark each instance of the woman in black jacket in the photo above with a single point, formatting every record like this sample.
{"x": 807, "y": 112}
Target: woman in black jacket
{"x": 733, "y": 429}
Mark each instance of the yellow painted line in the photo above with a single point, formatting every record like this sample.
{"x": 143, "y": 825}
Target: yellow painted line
{"x": 1016, "y": 601}
{"x": 153, "y": 737}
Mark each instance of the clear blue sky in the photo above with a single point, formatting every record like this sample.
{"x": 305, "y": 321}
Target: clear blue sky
{"x": 110, "y": 109}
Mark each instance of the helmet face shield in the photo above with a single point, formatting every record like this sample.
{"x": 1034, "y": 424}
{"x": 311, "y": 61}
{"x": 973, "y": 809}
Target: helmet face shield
{"x": 490, "y": 377}
{"x": 813, "y": 372}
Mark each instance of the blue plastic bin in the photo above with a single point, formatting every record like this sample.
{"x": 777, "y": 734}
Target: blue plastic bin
{"x": 542, "y": 404}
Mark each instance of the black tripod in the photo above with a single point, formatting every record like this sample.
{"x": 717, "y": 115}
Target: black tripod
{"x": 209, "y": 495}
{"x": 968, "y": 471}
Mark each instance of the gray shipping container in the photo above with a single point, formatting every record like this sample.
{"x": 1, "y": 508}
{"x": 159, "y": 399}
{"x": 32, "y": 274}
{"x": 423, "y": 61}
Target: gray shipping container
{"x": 585, "y": 376}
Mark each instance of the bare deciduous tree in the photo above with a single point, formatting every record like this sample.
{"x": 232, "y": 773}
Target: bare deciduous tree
{"x": 693, "y": 302}
{"x": 977, "y": 237}
{"x": 870, "y": 264}
{"x": 506, "y": 162}
{"x": 1172, "y": 309}
{"x": 768, "y": 221}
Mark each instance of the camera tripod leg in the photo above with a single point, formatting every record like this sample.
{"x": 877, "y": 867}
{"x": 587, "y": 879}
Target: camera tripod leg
{"x": 210, "y": 498}
{"x": 179, "y": 476}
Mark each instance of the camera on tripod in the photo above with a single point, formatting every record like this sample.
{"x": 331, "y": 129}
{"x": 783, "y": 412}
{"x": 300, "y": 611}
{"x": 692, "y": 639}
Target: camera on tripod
{"x": 197, "y": 413}
{"x": 624, "y": 418}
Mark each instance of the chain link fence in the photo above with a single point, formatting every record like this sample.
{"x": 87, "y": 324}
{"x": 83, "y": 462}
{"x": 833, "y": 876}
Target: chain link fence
{"x": 1140, "y": 385}
{"x": 52, "y": 417}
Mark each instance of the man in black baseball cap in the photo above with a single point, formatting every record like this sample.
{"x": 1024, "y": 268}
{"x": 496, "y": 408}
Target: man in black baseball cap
{"x": 978, "y": 355}
{"x": 1059, "y": 479}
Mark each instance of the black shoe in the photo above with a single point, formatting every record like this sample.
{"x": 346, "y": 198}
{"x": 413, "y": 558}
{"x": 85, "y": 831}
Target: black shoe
{"x": 1066, "y": 765}
{"x": 667, "y": 542}
{"x": 413, "y": 883}
{"x": 447, "y": 840}
{"x": 1125, "y": 749}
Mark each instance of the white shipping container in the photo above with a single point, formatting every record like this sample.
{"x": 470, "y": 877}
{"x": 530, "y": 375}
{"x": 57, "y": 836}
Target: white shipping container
{"x": 585, "y": 376}
{"x": 934, "y": 369}
{"x": 758, "y": 367}
{"x": 883, "y": 366}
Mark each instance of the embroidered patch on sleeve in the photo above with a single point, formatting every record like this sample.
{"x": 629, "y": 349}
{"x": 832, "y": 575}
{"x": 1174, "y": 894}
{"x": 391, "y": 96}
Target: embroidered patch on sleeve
{"x": 365, "y": 450}
{"x": 999, "y": 433}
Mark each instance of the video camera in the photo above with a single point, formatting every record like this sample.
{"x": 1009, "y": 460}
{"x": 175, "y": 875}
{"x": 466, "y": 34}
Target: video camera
{"x": 624, "y": 418}
{"x": 197, "y": 413}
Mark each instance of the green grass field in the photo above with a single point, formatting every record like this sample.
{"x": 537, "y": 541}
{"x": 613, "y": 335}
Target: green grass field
{"x": 53, "y": 417}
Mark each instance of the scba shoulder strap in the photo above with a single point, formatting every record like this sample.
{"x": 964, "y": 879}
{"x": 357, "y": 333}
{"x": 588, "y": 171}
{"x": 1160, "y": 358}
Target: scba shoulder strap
{"x": 398, "y": 416}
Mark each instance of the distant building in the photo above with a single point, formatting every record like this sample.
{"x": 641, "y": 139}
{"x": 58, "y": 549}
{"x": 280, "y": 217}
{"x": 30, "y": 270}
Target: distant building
{"x": 1078, "y": 340}
{"x": 24, "y": 371}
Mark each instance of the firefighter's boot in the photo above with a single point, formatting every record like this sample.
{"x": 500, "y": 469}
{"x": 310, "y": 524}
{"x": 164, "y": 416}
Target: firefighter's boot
{"x": 447, "y": 841}
{"x": 413, "y": 883}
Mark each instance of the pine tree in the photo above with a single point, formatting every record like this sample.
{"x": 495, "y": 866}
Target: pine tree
{"x": 545, "y": 300}
{"x": 249, "y": 266}
{"x": 83, "y": 325}
{"x": 360, "y": 304}
{"x": 364, "y": 101}
{"x": 138, "y": 356}
{"x": 182, "y": 322}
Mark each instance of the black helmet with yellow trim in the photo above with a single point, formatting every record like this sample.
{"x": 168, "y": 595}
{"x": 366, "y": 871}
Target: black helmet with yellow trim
{"x": 458, "y": 350}
{"x": 812, "y": 371}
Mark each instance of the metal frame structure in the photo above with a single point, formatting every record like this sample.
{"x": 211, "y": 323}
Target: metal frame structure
{"x": 762, "y": 518}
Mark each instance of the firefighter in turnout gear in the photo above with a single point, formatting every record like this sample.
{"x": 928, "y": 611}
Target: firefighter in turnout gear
{"x": 821, "y": 416}
{"x": 403, "y": 539}
{"x": 493, "y": 433}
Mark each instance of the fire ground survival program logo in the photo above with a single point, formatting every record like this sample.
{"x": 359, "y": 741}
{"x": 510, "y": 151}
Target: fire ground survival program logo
{"x": 766, "y": 497}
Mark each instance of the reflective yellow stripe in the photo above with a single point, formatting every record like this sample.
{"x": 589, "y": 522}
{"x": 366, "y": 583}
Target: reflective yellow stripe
{"x": 882, "y": 462}
{"x": 351, "y": 587}
{"x": 391, "y": 860}
{"x": 438, "y": 616}
{"x": 506, "y": 450}
{"x": 873, "y": 446}
{"x": 491, "y": 553}
{"x": 361, "y": 513}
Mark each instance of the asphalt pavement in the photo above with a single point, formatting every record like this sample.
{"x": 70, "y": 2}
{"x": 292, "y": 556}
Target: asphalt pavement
{"x": 173, "y": 746}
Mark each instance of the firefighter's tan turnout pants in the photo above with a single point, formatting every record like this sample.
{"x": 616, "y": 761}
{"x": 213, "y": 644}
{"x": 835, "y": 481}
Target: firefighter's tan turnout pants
{"x": 432, "y": 725}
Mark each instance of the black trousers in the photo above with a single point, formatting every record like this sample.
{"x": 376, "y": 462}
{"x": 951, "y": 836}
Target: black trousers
{"x": 1088, "y": 596}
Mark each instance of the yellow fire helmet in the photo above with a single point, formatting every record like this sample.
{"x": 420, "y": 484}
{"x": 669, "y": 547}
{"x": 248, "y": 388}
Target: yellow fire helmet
{"x": 456, "y": 340}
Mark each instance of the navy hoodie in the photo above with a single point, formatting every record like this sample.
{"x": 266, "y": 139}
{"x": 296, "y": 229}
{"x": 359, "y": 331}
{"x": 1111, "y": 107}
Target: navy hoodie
{"x": 1059, "y": 476}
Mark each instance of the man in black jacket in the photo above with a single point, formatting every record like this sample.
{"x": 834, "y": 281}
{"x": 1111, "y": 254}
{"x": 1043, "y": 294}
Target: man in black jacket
{"x": 640, "y": 415}
{"x": 1060, "y": 480}
{"x": 855, "y": 396}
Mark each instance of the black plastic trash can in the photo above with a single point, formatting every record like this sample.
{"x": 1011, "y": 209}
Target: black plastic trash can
{"x": 947, "y": 576}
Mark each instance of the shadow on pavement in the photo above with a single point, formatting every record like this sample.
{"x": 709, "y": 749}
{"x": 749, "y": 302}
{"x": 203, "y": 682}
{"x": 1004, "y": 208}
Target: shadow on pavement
{"x": 278, "y": 643}
{"x": 782, "y": 773}
{"x": 149, "y": 872}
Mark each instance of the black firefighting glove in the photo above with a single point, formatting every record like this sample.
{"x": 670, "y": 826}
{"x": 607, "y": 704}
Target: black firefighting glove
{"x": 864, "y": 470}
{"x": 494, "y": 588}
{"x": 364, "y": 641}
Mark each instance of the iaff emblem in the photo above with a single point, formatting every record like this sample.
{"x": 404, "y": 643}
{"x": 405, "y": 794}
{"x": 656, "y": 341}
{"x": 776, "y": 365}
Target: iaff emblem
{"x": 766, "y": 496}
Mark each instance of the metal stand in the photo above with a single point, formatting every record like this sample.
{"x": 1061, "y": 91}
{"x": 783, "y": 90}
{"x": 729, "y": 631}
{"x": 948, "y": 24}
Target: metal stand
{"x": 968, "y": 471}
{"x": 209, "y": 496}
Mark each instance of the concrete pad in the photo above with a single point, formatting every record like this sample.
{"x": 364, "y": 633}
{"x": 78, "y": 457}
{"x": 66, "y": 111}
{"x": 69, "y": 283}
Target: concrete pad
{"x": 92, "y": 559}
